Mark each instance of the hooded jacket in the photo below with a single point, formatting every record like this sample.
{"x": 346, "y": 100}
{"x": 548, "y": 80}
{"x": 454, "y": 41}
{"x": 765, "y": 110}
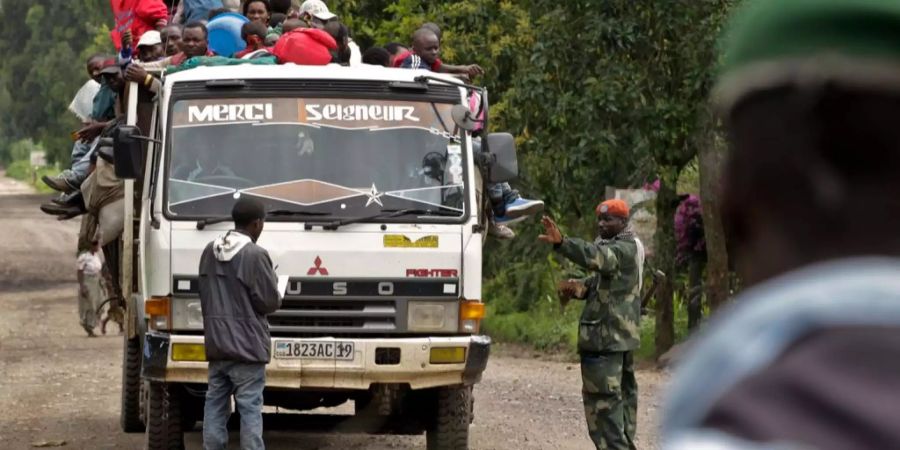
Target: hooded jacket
{"x": 238, "y": 288}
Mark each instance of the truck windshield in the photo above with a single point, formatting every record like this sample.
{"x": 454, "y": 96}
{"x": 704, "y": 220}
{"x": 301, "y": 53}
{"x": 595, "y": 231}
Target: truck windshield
{"x": 341, "y": 157}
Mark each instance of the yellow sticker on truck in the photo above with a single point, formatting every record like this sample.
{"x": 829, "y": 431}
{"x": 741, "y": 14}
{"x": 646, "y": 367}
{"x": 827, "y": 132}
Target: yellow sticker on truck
{"x": 401, "y": 241}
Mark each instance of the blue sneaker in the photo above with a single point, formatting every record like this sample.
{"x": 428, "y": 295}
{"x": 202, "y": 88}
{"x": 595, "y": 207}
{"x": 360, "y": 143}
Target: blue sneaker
{"x": 521, "y": 207}
{"x": 507, "y": 221}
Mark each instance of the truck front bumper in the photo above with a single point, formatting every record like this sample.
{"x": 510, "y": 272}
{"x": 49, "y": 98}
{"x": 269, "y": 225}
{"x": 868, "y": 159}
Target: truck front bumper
{"x": 414, "y": 366}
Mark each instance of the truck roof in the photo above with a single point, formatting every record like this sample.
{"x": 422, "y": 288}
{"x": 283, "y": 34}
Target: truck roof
{"x": 293, "y": 71}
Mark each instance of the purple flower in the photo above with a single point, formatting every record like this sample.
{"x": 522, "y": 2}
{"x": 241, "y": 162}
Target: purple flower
{"x": 689, "y": 228}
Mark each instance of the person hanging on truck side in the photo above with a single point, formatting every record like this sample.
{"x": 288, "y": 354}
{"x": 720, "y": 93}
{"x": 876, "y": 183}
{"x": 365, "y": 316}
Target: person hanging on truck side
{"x": 104, "y": 110}
{"x": 238, "y": 289}
{"x": 609, "y": 330}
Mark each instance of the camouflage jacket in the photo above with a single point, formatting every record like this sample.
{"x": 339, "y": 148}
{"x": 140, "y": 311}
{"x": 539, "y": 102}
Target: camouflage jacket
{"x": 611, "y": 317}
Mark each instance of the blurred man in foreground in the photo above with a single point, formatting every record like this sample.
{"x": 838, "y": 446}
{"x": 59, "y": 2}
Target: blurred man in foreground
{"x": 806, "y": 358}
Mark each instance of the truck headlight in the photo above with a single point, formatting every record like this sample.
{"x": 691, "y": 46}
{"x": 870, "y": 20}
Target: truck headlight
{"x": 432, "y": 316}
{"x": 187, "y": 314}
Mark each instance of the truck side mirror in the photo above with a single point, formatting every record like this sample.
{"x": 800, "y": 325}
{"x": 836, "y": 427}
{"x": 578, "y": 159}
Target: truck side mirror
{"x": 505, "y": 166}
{"x": 128, "y": 152}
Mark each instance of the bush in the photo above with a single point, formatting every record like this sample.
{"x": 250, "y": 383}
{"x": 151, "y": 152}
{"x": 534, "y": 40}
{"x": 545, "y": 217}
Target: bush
{"x": 546, "y": 328}
{"x": 21, "y": 170}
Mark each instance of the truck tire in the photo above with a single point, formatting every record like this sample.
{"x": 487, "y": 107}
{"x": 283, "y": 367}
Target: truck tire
{"x": 453, "y": 412}
{"x": 164, "y": 427}
{"x": 130, "y": 414}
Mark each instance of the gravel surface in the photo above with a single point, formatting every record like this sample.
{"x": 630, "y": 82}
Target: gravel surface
{"x": 60, "y": 387}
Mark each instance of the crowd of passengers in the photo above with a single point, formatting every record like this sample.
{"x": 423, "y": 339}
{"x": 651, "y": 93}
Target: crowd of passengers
{"x": 150, "y": 36}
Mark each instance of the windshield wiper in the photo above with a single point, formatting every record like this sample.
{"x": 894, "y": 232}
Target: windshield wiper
{"x": 202, "y": 223}
{"x": 385, "y": 214}
{"x": 295, "y": 213}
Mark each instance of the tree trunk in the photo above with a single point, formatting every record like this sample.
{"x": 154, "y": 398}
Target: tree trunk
{"x": 695, "y": 290}
{"x": 666, "y": 203}
{"x": 712, "y": 157}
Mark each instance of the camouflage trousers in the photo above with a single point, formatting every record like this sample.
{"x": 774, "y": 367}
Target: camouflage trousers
{"x": 610, "y": 399}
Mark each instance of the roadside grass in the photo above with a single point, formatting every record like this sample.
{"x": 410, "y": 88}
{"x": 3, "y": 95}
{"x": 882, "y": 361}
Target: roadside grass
{"x": 545, "y": 328}
{"x": 21, "y": 170}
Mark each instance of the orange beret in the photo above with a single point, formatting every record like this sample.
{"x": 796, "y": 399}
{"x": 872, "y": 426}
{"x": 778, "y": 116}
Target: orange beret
{"x": 614, "y": 207}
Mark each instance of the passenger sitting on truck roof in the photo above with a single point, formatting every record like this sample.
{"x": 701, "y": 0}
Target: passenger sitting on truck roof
{"x": 276, "y": 20}
{"x": 396, "y": 49}
{"x": 341, "y": 36}
{"x": 279, "y": 11}
{"x": 315, "y": 13}
{"x": 377, "y": 56}
{"x": 191, "y": 10}
{"x": 425, "y": 54}
{"x": 193, "y": 43}
{"x": 254, "y": 34}
{"x": 171, "y": 38}
{"x": 292, "y": 24}
{"x": 215, "y": 12}
{"x": 280, "y": 7}
{"x": 257, "y": 11}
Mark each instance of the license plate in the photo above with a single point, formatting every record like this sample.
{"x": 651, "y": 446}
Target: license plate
{"x": 314, "y": 350}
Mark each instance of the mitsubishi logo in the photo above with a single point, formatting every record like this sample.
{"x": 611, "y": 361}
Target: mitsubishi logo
{"x": 317, "y": 268}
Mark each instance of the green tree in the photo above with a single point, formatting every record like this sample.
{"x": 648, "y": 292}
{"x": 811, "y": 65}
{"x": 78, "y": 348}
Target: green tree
{"x": 45, "y": 43}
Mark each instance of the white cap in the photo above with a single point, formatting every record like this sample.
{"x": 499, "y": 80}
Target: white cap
{"x": 151, "y": 37}
{"x": 317, "y": 9}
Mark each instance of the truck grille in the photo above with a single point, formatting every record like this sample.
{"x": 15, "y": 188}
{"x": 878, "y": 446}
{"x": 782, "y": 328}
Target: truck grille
{"x": 335, "y": 315}
{"x": 350, "y": 307}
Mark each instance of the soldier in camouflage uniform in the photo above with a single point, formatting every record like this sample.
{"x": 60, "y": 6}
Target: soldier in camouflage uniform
{"x": 609, "y": 330}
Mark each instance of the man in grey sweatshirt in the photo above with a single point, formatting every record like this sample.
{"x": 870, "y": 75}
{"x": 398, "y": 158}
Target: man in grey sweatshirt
{"x": 238, "y": 288}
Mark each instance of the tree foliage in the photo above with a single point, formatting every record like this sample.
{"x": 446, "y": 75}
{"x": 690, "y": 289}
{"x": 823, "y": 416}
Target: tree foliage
{"x": 44, "y": 44}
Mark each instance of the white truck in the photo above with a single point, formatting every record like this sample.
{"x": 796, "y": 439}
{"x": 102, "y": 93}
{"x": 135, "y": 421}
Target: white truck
{"x": 373, "y": 190}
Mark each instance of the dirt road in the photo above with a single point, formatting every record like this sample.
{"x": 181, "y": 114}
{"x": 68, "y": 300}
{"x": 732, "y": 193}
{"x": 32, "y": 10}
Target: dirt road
{"x": 58, "y": 385}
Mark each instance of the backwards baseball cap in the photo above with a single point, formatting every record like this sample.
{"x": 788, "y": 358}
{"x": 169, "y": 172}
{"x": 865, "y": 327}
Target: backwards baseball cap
{"x": 773, "y": 43}
{"x": 151, "y": 37}
{"x": 613, "y": 207}
{"x": 317, "y": 9}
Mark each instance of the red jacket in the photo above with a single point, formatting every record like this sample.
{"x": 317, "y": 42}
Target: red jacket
{"x": 306, "y": 46}
{"x": 139, "y": 16}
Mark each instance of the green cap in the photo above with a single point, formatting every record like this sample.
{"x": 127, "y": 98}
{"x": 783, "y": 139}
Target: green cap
{"x": 772, "y": 43}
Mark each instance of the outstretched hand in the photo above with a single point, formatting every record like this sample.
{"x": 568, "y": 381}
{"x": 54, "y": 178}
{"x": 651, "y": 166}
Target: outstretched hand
{"x": 473, "y": 70}
{"x": 551, "y": 235}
